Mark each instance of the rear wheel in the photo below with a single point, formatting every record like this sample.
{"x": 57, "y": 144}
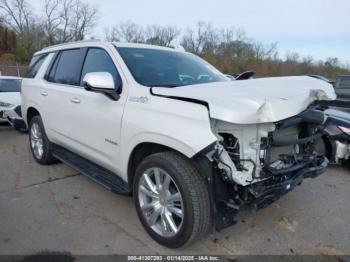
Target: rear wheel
{"x": 171, "y": 199}
{"x": 40, "y": 145}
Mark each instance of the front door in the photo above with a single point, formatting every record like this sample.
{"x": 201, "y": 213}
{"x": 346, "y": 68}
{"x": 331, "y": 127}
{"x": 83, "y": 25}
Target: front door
{"x": 88, "y": 123}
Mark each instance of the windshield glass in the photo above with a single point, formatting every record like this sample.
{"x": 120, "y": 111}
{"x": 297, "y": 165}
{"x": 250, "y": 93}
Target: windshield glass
{"x": 10, "y": 85}
{"x": 154, "y": 67}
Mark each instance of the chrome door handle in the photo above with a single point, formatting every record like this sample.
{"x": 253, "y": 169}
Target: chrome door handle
{"x": 75, "y": 100}
{"x": 44, "y": 93}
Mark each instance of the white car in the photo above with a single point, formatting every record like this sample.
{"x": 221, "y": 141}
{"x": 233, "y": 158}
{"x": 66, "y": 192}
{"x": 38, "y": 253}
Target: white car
{"x": 192, "y": 146}
{"x": 10, "y": 94}
{"x": 10, "y": 102}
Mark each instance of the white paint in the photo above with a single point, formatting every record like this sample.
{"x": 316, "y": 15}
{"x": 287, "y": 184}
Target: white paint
{"x": 245, "y": 108}
{"x": 256, "y": 100}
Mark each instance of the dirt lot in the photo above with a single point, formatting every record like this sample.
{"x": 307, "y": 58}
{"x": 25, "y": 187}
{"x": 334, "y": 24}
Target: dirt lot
{"x": 56, "y": 209}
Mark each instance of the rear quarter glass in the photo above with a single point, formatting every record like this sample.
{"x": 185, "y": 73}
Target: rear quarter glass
{"x": 35, "y": 65}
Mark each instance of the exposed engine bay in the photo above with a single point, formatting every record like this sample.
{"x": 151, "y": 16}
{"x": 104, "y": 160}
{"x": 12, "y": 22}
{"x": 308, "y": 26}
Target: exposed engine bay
{"x": 258, "y": 163}
{"x": 247, "y": 154}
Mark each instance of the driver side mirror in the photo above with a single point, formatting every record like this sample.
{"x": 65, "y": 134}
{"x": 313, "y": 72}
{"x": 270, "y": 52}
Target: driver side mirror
{"x": 101, "y": 82}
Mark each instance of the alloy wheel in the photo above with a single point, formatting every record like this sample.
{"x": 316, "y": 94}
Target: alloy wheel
{"x": 36, "y": 140}
{"x": 161, "y": 202}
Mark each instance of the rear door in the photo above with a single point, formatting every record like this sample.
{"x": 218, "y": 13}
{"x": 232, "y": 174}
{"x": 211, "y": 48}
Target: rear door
{"x": 62, "y": 80}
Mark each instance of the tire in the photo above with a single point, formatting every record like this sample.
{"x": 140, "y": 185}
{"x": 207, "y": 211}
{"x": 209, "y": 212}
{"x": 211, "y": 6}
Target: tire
{"x": 195, "y": 203}
{"x": 46, "y": 157}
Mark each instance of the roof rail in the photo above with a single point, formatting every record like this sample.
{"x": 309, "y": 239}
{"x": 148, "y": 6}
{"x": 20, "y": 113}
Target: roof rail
{"x": 73, "y": 42}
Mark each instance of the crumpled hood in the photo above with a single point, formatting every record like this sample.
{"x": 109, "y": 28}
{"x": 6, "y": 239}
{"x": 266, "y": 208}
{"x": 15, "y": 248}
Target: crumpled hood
{"x": 255, "y": 100}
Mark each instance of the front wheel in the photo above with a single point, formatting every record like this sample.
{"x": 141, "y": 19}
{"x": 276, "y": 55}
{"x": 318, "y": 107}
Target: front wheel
{"x": 172, "y": 199}
{"x": 40, "y": 145}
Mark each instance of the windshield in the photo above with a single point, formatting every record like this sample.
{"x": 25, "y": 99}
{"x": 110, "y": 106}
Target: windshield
{"x": 10, "y": 85}
{"x": 154, "y": 67}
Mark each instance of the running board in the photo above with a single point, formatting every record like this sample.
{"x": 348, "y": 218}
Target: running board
{"x": 99, "y": 174}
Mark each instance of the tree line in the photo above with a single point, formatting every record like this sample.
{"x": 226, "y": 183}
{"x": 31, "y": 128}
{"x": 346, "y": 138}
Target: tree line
{"x": 228, "y": 49}
{"x": 59, "y": 21}
{"x": 24, "y": 31}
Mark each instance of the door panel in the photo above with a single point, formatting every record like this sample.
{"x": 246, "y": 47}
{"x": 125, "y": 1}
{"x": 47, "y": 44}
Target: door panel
{"x": 94, "y": 127}
{"x": 63, "y": 74}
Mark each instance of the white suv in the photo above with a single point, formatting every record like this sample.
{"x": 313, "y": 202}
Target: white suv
{"x": 191, "y": 146}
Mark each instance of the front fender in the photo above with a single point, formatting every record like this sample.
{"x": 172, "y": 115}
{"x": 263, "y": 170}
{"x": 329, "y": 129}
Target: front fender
{"x": 156, "y": 138}
{"x": 182, "y": 126}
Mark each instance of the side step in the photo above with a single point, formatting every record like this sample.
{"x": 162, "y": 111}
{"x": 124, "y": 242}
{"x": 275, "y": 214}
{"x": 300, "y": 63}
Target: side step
{"x": 99, "y": 174}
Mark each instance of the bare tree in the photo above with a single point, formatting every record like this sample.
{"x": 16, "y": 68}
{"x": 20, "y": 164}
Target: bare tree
{"x": 198, "y": 39}
{"x": 16, "y": 14}
{"x": 63, "y": 32}
{"x": 111, "y": 34}
{"x": 84, "y": 18}
{"x": 68, "y": 20}
{"x": 159, "y": 35}
{"x": 292, "y": 57}
{"x": 52, "y": 19}
{"x": 125, "y": 32}
{"x": 262, "y": 51}
{"x": 332, "y": 62}
{"x": 7, "y": 40}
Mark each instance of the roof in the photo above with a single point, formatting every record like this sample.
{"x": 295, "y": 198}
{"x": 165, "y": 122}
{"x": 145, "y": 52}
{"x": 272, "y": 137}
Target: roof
{"x": 138, "y": 45}
{"x": 88, "y": 43}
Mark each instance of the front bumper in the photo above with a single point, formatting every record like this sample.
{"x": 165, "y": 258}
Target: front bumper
{"x": 18, "y": 124}
{"x": 229, "y": 199}
{"x": 14, "y": 117}
{"x": 286, "y": 156}
{"x": 280, "y": 183}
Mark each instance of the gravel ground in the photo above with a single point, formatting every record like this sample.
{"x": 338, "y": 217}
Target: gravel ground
{"x": 56, "y": 209}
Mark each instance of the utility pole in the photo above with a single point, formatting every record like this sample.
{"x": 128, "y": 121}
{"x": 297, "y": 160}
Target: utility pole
{"x": 18, "y": 73}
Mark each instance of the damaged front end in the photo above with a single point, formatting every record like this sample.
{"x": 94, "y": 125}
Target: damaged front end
{"x": 253, "y": 165}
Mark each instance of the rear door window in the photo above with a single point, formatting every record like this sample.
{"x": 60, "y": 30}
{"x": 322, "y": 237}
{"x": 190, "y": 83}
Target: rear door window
{"x": 35, "y": 65}
{"x": 67, "y": 67}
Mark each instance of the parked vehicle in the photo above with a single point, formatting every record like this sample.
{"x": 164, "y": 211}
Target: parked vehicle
{"x": 10, "y": 102}
{"x": 342, "y": 87}
{"x": 10, "y": 96}
{"x": 335, "y": 144}
{"x": 14, "y": 117}
{"x": 336, "y": 141}
{"x": 192, "y": 146}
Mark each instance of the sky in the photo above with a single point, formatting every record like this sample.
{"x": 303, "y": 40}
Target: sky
{"x": 320, "y": 28}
